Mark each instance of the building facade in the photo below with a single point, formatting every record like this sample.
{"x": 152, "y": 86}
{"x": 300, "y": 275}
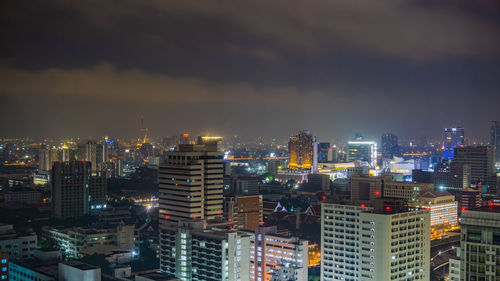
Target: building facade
{"x": 363, "y": 151}
{"x": 301, "y": 151}
{"x": 453, "y": 137}
{"x": 246, "y": 211}
{"x": 191, "y": 183}
{"x": 480, "y": 159}
{"x": 192, "y": 252}
{"x": 359, "y": 243}
{"x": 18, "y": 245}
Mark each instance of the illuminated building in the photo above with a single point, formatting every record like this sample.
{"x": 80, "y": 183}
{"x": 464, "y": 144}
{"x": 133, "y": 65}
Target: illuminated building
{"x": 18, "y": 245}
{"x": 442, "y": 206}
{"x": 387, "y": 242}
{"x": 95, "y": 153}
{"x": 75, "y": 192}
{"x": 191, "y": 251}
{"x": 363, "y": 151}
{"x": 45, "y": 158}
{"x": 246, "y": 211}
{"x": 191, "y": 183}
{"x": 20, "y": 271}
{"x": 479, "y": 253}
{"x": 4, "y": 263}
{"x": 76, "y": 242}
{"x": 390, "y": 147}
{"x": 409, "y": 191}
{"x": 480, "y": 159}
{"x": 301, "y": 151}
{"x": 495, "y": 139}
{"x": 323, "y": 149}
{"x": 268, "y": 251}
{"x": 453, "y": 137}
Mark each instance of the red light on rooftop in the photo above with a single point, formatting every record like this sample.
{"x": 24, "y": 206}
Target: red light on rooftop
{"x": 185, "y": 135}
{"x": 194, "y": 217}
{"x": 324, "y": 197}
{"x": 219, "y": 212}
{"x": 263, "y": 223}
{"x": 463, "y": 209}
{"x": 377, "y": 193}
{"x": 388, "y": 208}
{"x": 230, "y": 219}
{"x": 363, "y": 205}
{"x": 491, "y": 204}
{"x": 167, "y": 217}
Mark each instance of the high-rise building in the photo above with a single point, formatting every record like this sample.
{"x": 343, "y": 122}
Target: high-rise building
{"x": 191, "y": 183}
{"x": 480, "y": 159}
{"x": 268, "y": 251}
{"x": 192, "y": 251}
{"x": 390, "y": 147}
{"x": 495, "y": 139}
{"x": 386, "y": 242}
{"x": 246, "y": 211}
{"x": 301, "y": 151}
{"x": 362, "y": 150}
{"x": 442, "y": 206}
{"x": 453, "y": 137}
{"x": 479, "y": 251}
{"x": 452, "y": 176}
{"x": 75, "y": 192}
{"x": 323, "y": 149}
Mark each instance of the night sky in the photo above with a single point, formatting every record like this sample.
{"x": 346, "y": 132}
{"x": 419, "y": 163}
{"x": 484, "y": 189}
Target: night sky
{"x": 267, "y": 68}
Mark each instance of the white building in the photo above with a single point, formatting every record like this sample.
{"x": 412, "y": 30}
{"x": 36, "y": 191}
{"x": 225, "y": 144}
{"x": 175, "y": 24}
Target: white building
{"x": 384, "y": 243}
{"x": 442, "y": 206}
{"x": 78, "y": 271}
{"x": 192, "y": 251}
{"x": 479, "y": 251}
{"x": 269, "y": 251}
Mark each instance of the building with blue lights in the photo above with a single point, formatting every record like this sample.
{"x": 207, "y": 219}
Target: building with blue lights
{"x": 453, "y": 137}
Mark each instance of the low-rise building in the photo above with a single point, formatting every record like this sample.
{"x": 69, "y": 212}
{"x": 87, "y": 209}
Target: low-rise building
{"x": 18, "y": 245}
{"x": 442, "y": 206}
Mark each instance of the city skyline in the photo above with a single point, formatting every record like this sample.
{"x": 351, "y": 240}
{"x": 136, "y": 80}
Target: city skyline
{"x": 72, "y": 69}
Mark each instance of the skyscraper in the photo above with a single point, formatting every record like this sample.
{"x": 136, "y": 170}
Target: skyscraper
{"x": 480, "y": 159}
{"x": 300, "y": 151}
{"x": 190, "y": 183}
{"x": 390, "y": 147}
{"x": 386, "y": 242}
{"x": 75, "y": 192}
{"x": 453, "y": 137}
{"x": 362, "y": 150}
{"x": 495, "y": 138}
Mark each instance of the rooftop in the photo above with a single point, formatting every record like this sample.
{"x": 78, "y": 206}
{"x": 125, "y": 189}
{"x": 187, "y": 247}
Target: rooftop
{"x": 80, "y": 265}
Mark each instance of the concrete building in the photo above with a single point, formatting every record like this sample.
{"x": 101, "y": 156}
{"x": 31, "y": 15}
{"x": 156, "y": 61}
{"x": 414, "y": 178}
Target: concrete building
{"x": 442, "y": 207}
{"x": 23, "y": 195}
{"x": 405, "y": 190}
{"x": 191, "y": 183}
{"x": 245, "y": 185}
{"x": 18, "y": 245}
{"x": 320, "y": 180}
{"x": 75, "y": 192}
{"x": 191, "y": 250}
{"x": 78, "y": 271}
{"x": 20, "y": 271}
{"x": 480, "y": 244}
{"x": 481, "y": 160}
{"x": 246, "y": 211}
{"x": 76, "y": 242}
{"x": 269, "y": 251}
{"x": 387, "y": 242}
{"x": 469, "y": 198}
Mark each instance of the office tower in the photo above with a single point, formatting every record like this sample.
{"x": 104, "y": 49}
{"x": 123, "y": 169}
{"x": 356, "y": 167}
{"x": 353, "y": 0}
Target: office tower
{"x": 268, "y": 251}
{"x": 469, "y": 198}
{"x": 320, "y": 180}
{"x": 245, "y": 185}
{"x": 191, "y": 251}
{"x": 442, "y": 206}
{"x": 452, "y": 176}
{"x": 453, "y": 137}
{"x": 480, "y": 159}
{"x": 70, "y": 189}
{"x": 4, "y": 263}
{"x": 45, "y": 163}
{"x": 17, "y": 244}
{"x": 95, "y": 153}
{"x": 480, "y": 244}
{"x": 495, "y": 139}
{"x": 98, "y": 192}
{"x": 386, "y": 242}
{"x": 362, "y": 150}
{"x": 190, "y": 183}
{"x": 75, "y": 192}
{"x": 246, "y": 211}
{"x": 323, "y": 149}
{"x": 390, "y": 147}
{"x": 272, "y": 167}
{"x": 300, "y": 151}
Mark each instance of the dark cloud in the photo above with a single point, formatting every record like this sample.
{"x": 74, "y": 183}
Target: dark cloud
{"x": 249, "y": 67}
